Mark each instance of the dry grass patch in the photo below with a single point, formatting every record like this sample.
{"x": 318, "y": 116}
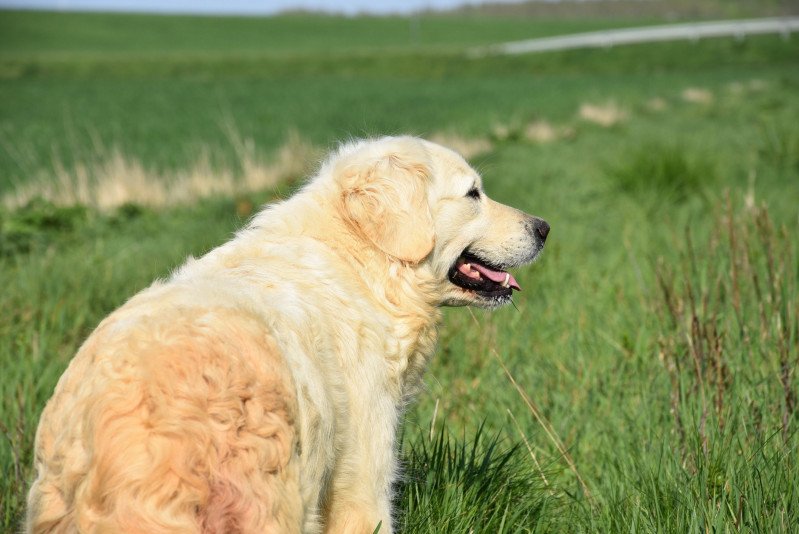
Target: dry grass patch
{"x": 739, "y": 88}
{"x": 502, "y": 132}
{"x": 697, "y": 95}
{"x": 465, "y": 146}
{"x": 117, "y": 179}
{"x": 736, "y": 88}
{"x": 541, "y": 131}
{"x": 605, "y": 115}
{"x": 656, "y": 104}
{"x": 757, "y": 85}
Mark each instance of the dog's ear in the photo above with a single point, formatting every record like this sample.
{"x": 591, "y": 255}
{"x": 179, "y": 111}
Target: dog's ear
{"x": 384, "y": 196}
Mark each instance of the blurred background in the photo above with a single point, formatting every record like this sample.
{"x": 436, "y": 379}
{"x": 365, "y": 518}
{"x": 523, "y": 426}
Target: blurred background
{"x": 646, "y": 377}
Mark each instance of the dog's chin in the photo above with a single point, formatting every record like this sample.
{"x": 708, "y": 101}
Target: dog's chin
{"x": 460, "y": 297}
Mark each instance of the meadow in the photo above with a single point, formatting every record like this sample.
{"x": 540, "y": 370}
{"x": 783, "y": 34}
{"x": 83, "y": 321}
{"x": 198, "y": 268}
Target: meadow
{"x": 646, "y": 377}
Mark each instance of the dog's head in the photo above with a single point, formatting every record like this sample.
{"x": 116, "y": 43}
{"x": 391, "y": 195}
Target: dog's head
{"x": 422, "y": 204}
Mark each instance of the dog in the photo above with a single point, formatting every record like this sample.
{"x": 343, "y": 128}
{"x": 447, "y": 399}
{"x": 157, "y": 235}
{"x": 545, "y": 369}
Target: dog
{"x": 260, "y": 387}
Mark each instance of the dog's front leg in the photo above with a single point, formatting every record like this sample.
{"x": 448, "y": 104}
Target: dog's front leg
{"x": 360, "y": 493}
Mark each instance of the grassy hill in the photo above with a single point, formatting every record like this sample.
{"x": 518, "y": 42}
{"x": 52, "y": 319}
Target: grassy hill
{"x": 653, "y": 346}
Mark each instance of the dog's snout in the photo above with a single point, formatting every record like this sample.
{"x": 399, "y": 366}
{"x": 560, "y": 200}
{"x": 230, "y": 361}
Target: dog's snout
{"x": 541, "y": 228}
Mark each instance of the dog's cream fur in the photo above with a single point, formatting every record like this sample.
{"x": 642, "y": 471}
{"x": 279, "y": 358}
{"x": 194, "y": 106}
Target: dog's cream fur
{"x": 259, "y": 389}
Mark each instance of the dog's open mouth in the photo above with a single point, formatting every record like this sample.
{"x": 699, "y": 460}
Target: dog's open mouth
{"x": 475, "y": 274}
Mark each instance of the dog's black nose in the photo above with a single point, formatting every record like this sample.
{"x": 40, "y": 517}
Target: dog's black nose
{"x": 541, "y": 229}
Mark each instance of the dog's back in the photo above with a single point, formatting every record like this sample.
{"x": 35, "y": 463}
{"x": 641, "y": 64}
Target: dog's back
{"x": 186, "y": 423}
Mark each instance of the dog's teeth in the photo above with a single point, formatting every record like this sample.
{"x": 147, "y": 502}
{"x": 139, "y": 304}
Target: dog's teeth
{"x": 505, "y": 282}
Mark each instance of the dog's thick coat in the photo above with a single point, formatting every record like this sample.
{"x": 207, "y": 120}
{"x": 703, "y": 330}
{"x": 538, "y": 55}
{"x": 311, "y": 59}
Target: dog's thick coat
{"x": 260, "y": 387}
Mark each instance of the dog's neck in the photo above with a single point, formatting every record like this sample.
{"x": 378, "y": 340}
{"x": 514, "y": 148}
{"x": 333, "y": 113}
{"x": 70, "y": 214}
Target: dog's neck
{"x": 405, "y": 294}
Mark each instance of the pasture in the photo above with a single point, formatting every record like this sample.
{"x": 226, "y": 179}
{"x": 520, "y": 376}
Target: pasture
{"x": 646, "y": 378}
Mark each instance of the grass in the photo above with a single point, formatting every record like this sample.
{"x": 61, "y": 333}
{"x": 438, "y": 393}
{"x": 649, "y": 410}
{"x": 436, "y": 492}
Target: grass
{"x": 653, "y": 346}
{"x": 127, "y": 35}
{"x": 669, "y": 172}
{"x": 471, "y": 483}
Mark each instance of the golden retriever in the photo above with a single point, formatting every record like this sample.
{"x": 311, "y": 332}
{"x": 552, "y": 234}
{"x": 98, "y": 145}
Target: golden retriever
{"x": 259, "y": 388}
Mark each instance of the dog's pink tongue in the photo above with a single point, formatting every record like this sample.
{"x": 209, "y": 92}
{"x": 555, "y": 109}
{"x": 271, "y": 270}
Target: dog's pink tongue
{"x": 496, "y": 276}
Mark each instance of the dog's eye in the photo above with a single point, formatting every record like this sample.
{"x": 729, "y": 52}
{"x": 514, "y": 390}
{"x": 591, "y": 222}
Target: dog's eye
{"x": 474, "y": 193}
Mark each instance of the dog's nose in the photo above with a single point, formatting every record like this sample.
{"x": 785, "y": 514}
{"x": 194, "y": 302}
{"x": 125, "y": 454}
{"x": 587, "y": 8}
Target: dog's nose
{"x": 541, "y": 229}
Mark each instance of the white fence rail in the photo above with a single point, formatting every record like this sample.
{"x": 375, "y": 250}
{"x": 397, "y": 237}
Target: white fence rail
{"x": 673, "y": 32}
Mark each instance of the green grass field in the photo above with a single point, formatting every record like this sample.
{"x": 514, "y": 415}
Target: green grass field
{"x": 646, "y": 378}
